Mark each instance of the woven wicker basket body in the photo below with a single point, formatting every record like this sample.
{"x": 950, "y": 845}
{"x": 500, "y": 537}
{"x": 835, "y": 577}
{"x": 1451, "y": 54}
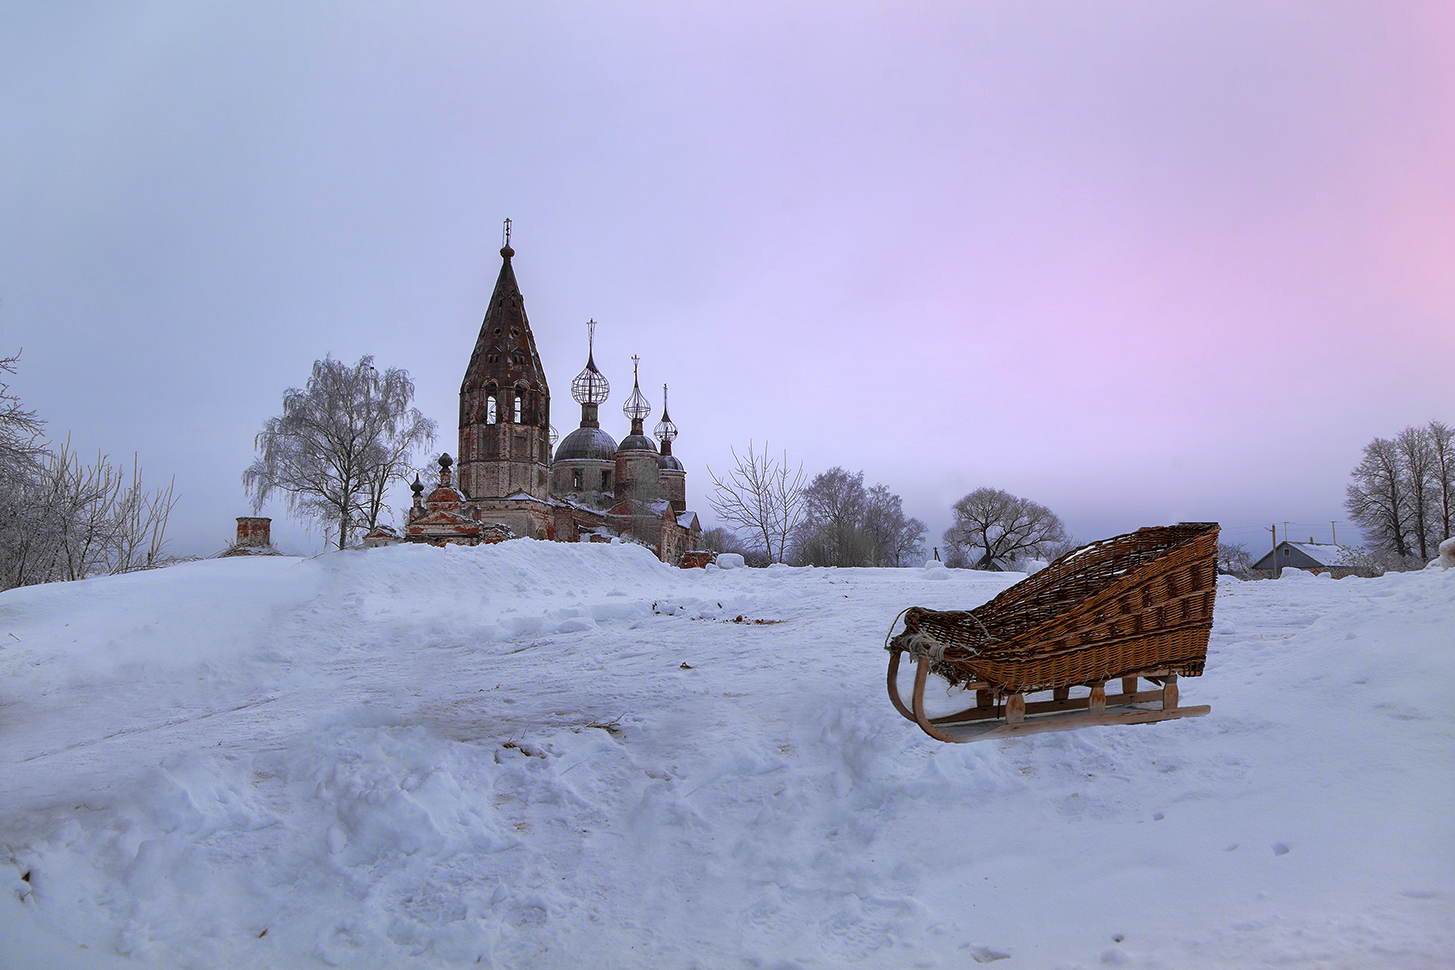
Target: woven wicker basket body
{"x": 1131, "y": 604}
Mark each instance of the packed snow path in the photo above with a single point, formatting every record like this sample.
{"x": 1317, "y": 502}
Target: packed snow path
{"x": 536, "y": 755}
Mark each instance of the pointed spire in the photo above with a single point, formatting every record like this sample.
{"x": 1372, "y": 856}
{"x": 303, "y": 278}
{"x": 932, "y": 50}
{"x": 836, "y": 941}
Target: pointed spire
{"x": 636, "y": 406}
{"x": 665, "y": 429}
{"x": 505, "y": 351}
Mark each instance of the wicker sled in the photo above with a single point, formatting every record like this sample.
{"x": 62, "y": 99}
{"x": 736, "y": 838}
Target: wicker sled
{"x": 1133, "y": 606}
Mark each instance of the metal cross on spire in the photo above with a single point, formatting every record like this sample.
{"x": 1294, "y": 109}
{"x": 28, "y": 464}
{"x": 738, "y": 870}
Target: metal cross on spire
{"x": 507, "y": 234}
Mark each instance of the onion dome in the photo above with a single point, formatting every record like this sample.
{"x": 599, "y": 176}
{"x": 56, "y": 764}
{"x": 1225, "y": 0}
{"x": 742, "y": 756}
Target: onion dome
{"x": 590, "y": 386}
{"x": 636, "y": 408}
{"x": 665, "y": 429}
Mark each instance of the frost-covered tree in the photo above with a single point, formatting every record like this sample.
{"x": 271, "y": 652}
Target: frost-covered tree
{"x": 761, "y": 497}
{"x": 20, "y": 432}
{"x": 339, "y": 444}
{"x": 61, "y": 519}
{"x": 994, "y": 528}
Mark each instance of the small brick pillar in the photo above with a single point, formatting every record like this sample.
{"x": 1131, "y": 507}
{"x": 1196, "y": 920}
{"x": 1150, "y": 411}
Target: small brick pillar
{"x": 254, "y": 532}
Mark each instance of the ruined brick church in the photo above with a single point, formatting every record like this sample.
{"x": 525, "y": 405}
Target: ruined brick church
{"x": 510, "y": 484}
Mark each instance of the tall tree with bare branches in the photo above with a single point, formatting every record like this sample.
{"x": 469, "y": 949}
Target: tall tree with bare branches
{"x": 760, "y": 496}
{"x": 1417, "y": 460}
{"x": 1004, "y": 527}
{"x": 1378, "y": 500}
{"x": 338, "y": 445}
{"x": 1442, "y": 452}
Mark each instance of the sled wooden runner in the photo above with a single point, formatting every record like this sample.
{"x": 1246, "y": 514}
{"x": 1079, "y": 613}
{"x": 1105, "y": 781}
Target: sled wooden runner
{"x": 1133, "y": 607}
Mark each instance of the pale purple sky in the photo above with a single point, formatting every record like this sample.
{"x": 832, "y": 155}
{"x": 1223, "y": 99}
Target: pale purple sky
{"x": 1138, "y": 261}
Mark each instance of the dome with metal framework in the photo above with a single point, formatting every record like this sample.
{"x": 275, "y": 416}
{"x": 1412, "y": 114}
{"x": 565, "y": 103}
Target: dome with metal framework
{"x": 590, "y": 386}
{"x": 636, "y": 406}
{"x": 665, "y": 429}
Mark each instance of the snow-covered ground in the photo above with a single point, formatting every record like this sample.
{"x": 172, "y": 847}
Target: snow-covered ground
{"x": 538, "y": 755}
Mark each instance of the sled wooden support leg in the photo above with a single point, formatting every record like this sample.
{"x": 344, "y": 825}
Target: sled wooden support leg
{"x": 1017, "y": 715}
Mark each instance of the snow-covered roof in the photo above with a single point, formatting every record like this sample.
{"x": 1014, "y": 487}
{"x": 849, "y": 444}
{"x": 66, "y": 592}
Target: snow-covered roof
{"x": 1323, "y": 553}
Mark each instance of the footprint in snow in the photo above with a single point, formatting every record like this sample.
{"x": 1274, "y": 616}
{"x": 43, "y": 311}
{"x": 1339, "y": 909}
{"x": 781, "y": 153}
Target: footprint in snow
{"x": 1280, "y": 849}
{"x": 984, "y": 954}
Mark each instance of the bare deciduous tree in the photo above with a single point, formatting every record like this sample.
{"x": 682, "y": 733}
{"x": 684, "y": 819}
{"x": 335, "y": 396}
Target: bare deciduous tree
{"x": 1442, "y": 450}
{"x": 832, "y": 532}
{"x": 20, "y": 431}
{"x": 338, "y": 445}
{"x": 62, "y": 520}
{"x": 760, "y": 496}
{"x": 1234, "y": 559}
{"x": 898, "y": 539}
{"x": 1005, "y": 526}
{"x": 1379, "y": 501}
{"x": 1417, "y": 459}
{"x": 846, "y": 524}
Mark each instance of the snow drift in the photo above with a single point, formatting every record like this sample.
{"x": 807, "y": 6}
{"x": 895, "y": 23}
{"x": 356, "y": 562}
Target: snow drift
{"x": 544, "y": 755}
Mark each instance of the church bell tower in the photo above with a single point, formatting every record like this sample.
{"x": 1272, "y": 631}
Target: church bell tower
{"x": 505, "y": 405}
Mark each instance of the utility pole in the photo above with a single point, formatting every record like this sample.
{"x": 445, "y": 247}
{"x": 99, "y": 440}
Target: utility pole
{"x": 1274, "y": 529}
{"x": 1334, "y": 531}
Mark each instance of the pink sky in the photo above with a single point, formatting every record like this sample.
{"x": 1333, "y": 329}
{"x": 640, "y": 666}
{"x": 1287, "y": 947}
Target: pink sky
{"x": 1138, "y": 261}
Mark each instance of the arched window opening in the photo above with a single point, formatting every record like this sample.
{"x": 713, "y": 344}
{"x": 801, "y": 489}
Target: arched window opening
{"x": 519, "y": 408}
{"x": 490, "y": 416}
{"x": 576, "y": 480}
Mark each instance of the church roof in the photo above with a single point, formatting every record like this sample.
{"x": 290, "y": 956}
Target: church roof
{"x": 637, "y": 442}
{"x": 505, "y": 352}
{"x": 590, "y": 443}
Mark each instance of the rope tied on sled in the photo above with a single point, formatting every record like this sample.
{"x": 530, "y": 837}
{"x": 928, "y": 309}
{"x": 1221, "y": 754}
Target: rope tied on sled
{"x": 918, "y": 643}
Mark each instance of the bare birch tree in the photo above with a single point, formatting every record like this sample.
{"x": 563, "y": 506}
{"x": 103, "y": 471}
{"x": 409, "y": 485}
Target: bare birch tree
{"x": 761, "y": 497}
{"x": 338, "y": 445}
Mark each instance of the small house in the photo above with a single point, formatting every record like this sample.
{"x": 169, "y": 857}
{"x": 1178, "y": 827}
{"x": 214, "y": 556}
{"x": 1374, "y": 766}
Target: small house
{"x": 1314, "y": 557}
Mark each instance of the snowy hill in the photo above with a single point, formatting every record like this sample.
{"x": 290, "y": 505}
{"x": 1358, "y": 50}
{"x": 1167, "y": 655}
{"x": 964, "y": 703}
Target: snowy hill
{"x": 538, "y": 755}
